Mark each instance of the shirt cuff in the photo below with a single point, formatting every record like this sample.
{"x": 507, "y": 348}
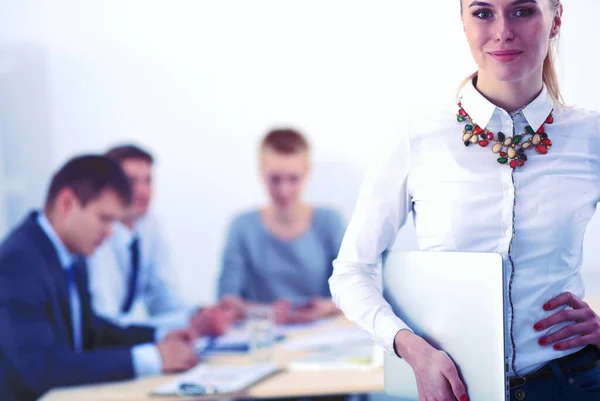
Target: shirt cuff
{"x": 160, "y": 334}
{"x": 387, "y": 327}
{"x": 146, "y": 360}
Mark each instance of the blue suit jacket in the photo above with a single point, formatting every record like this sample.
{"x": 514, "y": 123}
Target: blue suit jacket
{"x": 36, "y": 344}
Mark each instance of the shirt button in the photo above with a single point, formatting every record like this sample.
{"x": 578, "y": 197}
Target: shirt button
{"x": 511, "y": 192}
{"x": 508, "y": 233}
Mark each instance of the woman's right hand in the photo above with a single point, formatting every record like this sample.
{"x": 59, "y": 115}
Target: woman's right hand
{"x": 436, "y": 374}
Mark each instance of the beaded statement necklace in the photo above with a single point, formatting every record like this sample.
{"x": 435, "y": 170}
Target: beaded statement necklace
{"x": 511, "y": 151}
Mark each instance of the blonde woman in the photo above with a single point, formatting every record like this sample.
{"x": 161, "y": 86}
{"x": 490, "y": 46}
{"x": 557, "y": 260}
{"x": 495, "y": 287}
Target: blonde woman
{"x": 508, "y": 169}
{"x": 282, "y": 253}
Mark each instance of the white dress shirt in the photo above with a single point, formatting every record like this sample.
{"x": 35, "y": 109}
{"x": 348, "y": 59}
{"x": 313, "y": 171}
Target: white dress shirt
{"x": 463, "y": 200}
{"x": 157, "y": 297}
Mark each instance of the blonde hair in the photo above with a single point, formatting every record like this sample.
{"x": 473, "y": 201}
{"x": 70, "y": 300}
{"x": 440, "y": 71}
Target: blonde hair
{"x": 549, "y": 74}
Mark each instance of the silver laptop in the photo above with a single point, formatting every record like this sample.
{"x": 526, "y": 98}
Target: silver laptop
{"x": 456, "y": 302}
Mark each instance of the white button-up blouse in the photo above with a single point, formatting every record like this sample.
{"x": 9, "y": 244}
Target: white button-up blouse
{"x": 464, "y": 200}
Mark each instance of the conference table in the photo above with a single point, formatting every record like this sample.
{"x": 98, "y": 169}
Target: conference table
{"x": 286, "y": 383}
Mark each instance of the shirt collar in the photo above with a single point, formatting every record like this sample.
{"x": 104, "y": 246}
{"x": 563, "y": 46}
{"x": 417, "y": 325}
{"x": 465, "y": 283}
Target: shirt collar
{"x": 481, "y": 110}
{"x": 124, "y": 235}
{"x": 536, "y": 113}
{"x": 65, "y": 257}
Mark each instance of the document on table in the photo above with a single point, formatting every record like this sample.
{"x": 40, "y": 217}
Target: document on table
{"x": 360, "y": 356}
{"x": 219, "y": 379}
{"x": 330, "y": 337}
{"x": 236, "y": 341}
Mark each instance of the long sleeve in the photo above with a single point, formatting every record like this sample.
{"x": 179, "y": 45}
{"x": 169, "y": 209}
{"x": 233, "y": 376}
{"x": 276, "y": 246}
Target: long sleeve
{"x": 382, "y": 208}
{"x": 158, "y": 301}
{"x": 146, "y": 360}
{"x": 233, "y": 263}
{"x": 145, "y": 356}
{"x": 107, "y": 333}
{"x": 35, "y": 346}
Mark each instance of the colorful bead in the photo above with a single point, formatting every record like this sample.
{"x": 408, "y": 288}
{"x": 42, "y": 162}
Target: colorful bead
{"x": 514, "y": 154}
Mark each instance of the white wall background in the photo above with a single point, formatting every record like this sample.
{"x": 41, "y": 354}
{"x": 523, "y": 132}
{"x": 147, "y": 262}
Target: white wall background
{"x": 199, "y": 82}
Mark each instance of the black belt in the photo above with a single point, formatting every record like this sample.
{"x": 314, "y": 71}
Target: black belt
{"x": 546, "y": 370}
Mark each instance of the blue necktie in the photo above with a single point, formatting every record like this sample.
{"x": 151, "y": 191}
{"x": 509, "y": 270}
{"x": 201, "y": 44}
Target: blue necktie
{"x": 75, "y": 306}
{"x": 134, "y": 249}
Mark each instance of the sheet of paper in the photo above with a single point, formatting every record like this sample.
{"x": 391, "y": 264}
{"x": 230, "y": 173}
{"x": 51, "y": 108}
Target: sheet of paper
{"x": 235, "y": 341}
{"x": 359, "y": 356}
{"x": 288, "y": 329}
{"x": 331, "y": 337}
{"x": 217, "y": 379}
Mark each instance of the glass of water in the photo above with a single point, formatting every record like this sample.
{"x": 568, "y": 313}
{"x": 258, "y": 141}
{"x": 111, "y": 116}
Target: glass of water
{"x": 260, "y": 323}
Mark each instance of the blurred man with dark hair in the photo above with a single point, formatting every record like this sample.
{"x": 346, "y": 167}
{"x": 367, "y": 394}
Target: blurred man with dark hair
{"x": 131, "y": 276}
{"x": 49, "y": 335}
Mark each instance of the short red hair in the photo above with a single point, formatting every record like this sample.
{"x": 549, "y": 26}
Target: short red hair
{"x": 287, "y": 141}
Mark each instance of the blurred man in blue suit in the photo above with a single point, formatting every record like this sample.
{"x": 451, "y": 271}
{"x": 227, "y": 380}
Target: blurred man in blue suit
{"x": 49, "y": 336}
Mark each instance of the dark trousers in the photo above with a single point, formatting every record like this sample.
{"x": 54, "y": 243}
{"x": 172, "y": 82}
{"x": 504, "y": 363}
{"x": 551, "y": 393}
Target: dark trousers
{"x": 559, "y": 385}
{"x": 316, "y": 398}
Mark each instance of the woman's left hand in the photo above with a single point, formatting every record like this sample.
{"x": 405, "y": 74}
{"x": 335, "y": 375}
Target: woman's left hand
{"x": 586, "y": 324}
